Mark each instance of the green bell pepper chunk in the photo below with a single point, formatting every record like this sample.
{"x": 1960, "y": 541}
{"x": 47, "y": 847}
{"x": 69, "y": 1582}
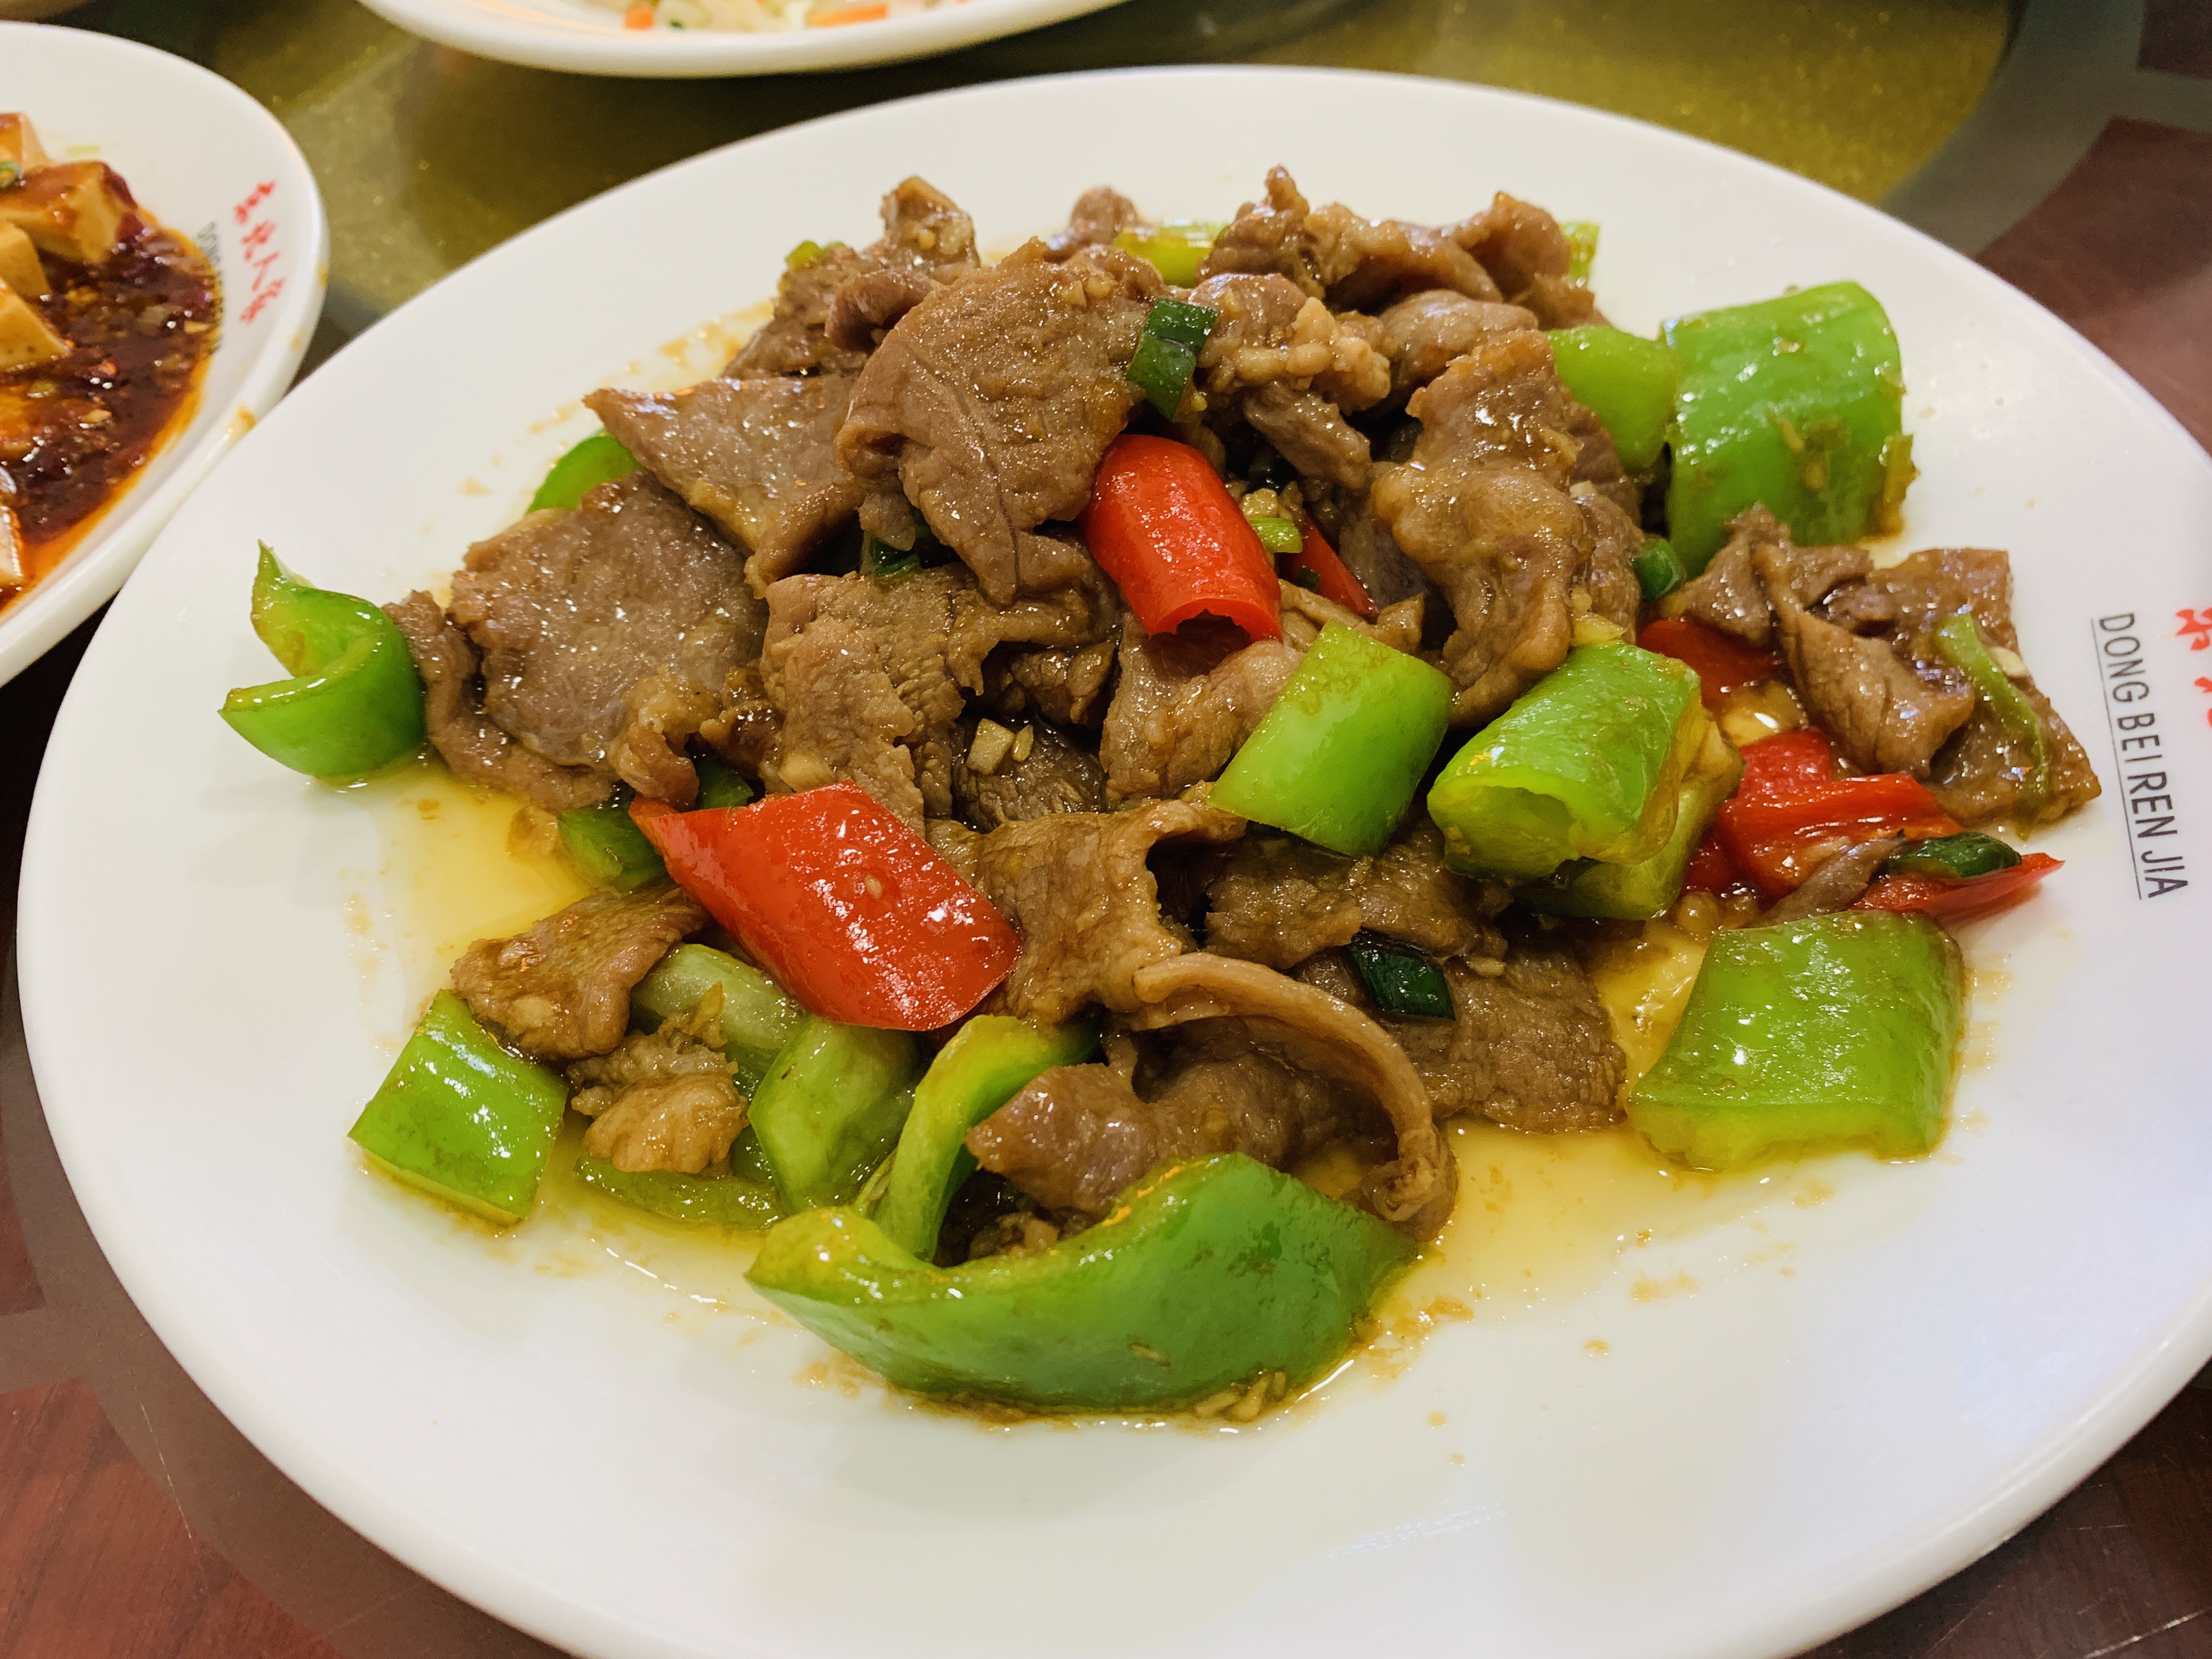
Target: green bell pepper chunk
{"x": 1581, "y": 246}
{"x": 1207, "y": 1273}
{"x": 1637, "y": 892}
{"x": 719, "y": 786}
{"x": 1832, "y": 1029}
{"x": 989, "y": 1060}
{"x": 599, "y": 458}
{"x": 1960, "y": 857}
{"x": 1658, "y": 569}
{"x": 1341, "y": 752}
{"x": 1960, "y": 642}
{"x": 728, "y": 1200}
{"x": 830, "y": 1106}
{"x": 1628, "y": 382}
{"x": 355, "y": 703}
{"x": 758, "y": 1020}
{"x": 1175, "y": 249}
{"x": 1793, "y": 402}
{"x": 462, "y": 1119}
{"x": 1587, "y": 763}
{"x": 609, "y": 847}
{"x": 1281, "y": 536}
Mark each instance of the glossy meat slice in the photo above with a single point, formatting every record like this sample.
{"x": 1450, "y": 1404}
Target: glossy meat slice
{"x": 572, "y": 609}
{"x": 926, "y": 237}
{"x": 1334, "y": 254}
{"x": 1281, "y": 362}
{"x": 758, "y": 457}
{"x": 560, "y": 991}
{"x": 1483, "y": 507}
{"x": 1185, "y": 702}
{"x": 1729, "y": 597}
{"x": 662, "y": 1099}
{"x": 991, "y": 401}
{"x": 1527, "y": 255}
{"x": 1279, "y": 900}
{"x": 1078, "y": 888}
{"x": 467, "y": 737}
{"x": 1100, "y": 214}
{"x": 859, "y": 669}
{"x": 1424, "y": 333}
{"x": 1056, "y": 775}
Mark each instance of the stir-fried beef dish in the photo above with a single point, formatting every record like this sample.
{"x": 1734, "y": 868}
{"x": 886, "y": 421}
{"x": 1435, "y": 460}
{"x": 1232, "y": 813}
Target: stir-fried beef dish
{"x": 106, "y": 320}
{"x": 1069, "y": 747}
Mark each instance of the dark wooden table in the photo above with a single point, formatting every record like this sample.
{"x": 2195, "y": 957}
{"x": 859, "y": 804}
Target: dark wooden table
{"x": 2066, "y": 143}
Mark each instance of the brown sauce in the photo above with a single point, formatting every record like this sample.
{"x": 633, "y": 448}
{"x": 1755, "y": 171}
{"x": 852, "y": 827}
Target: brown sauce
{"x": 140, "y": 325}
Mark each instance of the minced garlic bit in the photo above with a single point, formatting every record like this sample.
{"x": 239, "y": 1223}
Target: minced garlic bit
{"x": 1024, "y": 741}
{"x": 2014, "y": 669}
{"x": 1596, "y": 630}
{"x": 992, "y": 742}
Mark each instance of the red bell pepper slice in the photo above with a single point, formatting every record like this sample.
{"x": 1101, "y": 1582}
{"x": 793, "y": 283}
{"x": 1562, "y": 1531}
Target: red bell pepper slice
{"x": 1786, "y": 765}
{"x": 1175, "y": 541}
{"x": 855, "y": 914}
{"x": 1711, "y": 870}
{"x": 1779, "y": 842}
{"x": 1948, "y": 901}
{"x": 1723, "y": 665}
{"x": 1333, "y": 578}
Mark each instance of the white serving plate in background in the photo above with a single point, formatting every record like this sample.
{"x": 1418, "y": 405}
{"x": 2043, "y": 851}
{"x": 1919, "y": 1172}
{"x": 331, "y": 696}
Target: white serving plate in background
{"x": 1858, "y": 1397}
{"x": 589, "y": 39}
{"x": 193, "y": 148}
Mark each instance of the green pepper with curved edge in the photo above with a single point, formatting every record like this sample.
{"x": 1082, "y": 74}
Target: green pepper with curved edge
{"x": 1587, "y": 763}
{"x": 1960, "y": 641}
{"x": 724, "y": 1200}
{"x": 1206, "y": 1274}
{"x": 1637, "y": 892}
{"x": 354, "y": 702}
{"x": 831, "y": 1105}
{"x": 1340, "y": 753}
{"x": 1832, "y": 1029}
{"x": 1627, "y": 381}
{"x": 989, "y": 1060}
{"x": 599, "y": 458}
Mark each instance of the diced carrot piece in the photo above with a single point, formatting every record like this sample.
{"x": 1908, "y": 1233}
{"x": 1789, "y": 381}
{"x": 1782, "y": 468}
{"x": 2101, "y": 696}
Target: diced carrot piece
{"x": 840, "y": 15}
{"x": 638, "y": 17}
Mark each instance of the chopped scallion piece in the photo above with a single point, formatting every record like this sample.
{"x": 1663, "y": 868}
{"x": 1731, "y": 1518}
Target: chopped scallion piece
{"x": 1658, "y": 570}
{"x": 1163, "y": 369}
{"x": 1400, "y": 979}
{"x": 611, "y": 849}
{"x": 1279, "y": 536}
{"x": 1180, "y": 321}
{"x": 1960, "y": 857}
{"x": 880, "y": 562}
{"x": 809, "y": 253}
{"x": 1175, "y": 249}
{"x": 1581, "y": 247}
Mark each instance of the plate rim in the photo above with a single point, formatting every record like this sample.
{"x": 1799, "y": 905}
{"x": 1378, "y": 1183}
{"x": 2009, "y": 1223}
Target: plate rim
{"x": 94, "y": 570}
{"x": 1970, "y": 1528}
{"x": 519, "y": 34}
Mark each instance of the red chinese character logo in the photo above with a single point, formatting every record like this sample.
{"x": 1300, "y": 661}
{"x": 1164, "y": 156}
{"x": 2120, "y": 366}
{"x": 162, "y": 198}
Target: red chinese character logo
{"x": 262, "y": 298}
{"x": 260, "y": 193}
{"x": 2197, "y": 628}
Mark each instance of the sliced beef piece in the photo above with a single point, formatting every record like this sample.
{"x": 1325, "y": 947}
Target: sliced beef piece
{"x": 1100, "y": 214}
{"x": 1271, "y": 332}
{"x": 1078, "y": 888}
{"x": 745, "y": 729}
{"x": 1056, "y": 775}
{"x": 1304, "y": 613}
{"x": 991, "y": 401}
{"x": 1529, "y": 1045}
{"x": 562, "y": 991}
{"x": 1369, "y": 551}
{"x": 1424, "y": 333}
{"x": 1609, "y": 578}
{"x": 1279, "y": 900}
{"x": 452, "y": 710}
{"x": 1836, "y": 884}
{"x": 1483, "y": 507}
{"x": 1981, "y": 773}
{"x": 1306, "y": 429}
{"x": 1527, "y": 255}
{"x": 1888, "y": 712}
{"x": 1185, "y": 702}
{"x": 925, "y": 238}
{"x": 1728, "y": 595}
{"x": 1066, "y": 685}
{"x": 664, "y": 1099}
{"x": 571, "y": 611}
{"x": 1414, "y": 1190}
{"x": 667, "y": 711}
{"x": 758, "y": 457}
{"x": 1078, "y": 1135}
{"x": 1334, "y": 254}
{"x": 1597, "y": 465}
{"x": 871, "y": 678}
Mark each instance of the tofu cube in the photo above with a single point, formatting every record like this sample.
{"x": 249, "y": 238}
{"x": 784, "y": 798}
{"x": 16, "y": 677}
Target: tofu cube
{"x": 15, "y": 557}
{"x": 19, "y": 265}
{"x": 72, "y": 209}
{"x": 24, "y": 337}
{"x": 19, "y": 144}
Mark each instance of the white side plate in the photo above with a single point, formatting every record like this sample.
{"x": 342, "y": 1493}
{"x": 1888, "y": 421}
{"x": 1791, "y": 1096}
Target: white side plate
{"x": 210, "y": 163}
{"x": 1749, "y": 1435}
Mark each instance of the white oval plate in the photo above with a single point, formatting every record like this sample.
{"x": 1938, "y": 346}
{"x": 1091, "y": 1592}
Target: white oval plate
{"x": 198, "y": 153}
{"x": 589, "y": 39}
{"x": 1860, "y": 1396}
